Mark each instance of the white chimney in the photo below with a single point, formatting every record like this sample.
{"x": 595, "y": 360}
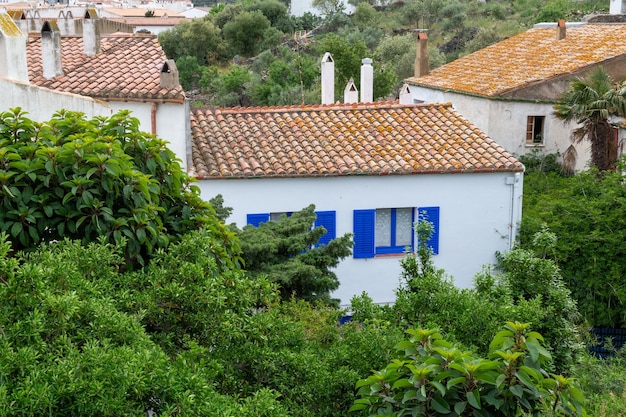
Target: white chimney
{"x": 169, "y": 74}
{"x": 51, "y": 50}
{"x": 66, "y": 23}
{"x": 328, "y": 79}
{"x": 12, "y": 50}
{"x": 405, "y": 96}
{"x": 350, "y": 93}
{"x": 367, "y": 81}
{"x": 617, "y": 7}
{"x": 91, "y": 33}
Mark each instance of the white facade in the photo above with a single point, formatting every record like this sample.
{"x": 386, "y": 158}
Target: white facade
{"x": 169, "y": 121}
{"x": 42, "y": 103}
{"x": 476, "y": 207}
{"x": 505, "y": 121}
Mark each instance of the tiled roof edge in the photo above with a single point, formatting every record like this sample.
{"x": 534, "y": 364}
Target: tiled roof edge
{"x": 519, "y": 168}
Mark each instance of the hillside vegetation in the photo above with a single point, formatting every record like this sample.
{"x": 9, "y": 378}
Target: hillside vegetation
{"x": 254, "y": 53}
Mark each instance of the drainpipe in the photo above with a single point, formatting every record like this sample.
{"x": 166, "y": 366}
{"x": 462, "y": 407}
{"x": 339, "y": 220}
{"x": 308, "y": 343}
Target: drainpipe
{"x": 153, "y": 118}
{"x": 515, "y": 182}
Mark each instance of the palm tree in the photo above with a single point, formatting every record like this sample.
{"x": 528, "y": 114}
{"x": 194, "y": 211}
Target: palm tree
{"x": 590, "y": 103}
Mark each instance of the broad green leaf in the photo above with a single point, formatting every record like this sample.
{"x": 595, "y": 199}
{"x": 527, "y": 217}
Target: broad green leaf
{"x": 473, "y": 398}
{"x": 440, "y": 405}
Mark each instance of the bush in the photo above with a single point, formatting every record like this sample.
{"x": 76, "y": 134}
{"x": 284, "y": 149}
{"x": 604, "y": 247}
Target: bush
{"x": 433, "y": 377}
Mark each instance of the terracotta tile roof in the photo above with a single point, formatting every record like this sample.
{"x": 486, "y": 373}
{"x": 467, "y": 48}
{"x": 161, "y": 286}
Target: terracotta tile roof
{"x": 383, "y": 138}
{"x": 150, "y": 21}
{"x": 128, "y": 67}
{"x": 529, "y": 57}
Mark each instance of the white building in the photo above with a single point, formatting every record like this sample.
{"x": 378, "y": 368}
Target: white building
{"x": 508, "y": 89}
{"x": 370, "y": 169}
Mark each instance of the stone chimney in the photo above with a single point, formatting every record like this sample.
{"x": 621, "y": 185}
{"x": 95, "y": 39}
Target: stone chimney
{"x": 169, "y": 75}
{"x": 51, "y": 50}
{"x": 367, "y": 81}
{"x": 405, "y": 96}
{"x": 328, "y": 79}
{"x": 560, "y": 30}
{"x": 421, "y": 57}
{"x": 350, "y": 93}
{"x": 91, "y": 32}
{"x": 12, "y": 50}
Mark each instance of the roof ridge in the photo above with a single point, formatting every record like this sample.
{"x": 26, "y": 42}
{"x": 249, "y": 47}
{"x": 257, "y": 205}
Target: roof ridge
{"x": 387, "y": 104}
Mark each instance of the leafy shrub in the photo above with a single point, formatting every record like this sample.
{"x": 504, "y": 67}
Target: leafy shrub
{"x": 83, "y": 179}
{"x": 433, "y": 377}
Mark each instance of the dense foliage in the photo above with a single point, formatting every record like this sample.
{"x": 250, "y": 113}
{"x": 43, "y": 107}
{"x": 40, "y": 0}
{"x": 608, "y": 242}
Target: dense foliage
{"x": 431, "y": 376}
{"x": 586, "y": 213}
{"x": 85, "y": 179}
{"x": 526, "y": 288}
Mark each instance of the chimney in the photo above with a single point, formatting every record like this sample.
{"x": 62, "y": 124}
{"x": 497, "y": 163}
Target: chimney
{"x": 350, "y": 94}
{"x": 560, "y": 30}
{"x": 405, "y": 96}
{"x": 66, "y": 23}
{"x": 328, "y": 79}
{"x": 91, "y": 32}
{"x": 617, "y": 7}
{"x": 19, "y": 17}
{"x": 12, "y": 50}
{"x": 169, "y": 75}
{"x": 421, "y": 57}
{"x": 367, "y": 81}
{"x": 51, "y": 50}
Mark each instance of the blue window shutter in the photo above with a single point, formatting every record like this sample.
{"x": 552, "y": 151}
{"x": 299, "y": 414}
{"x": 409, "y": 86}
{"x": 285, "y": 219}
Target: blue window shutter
{"x": 256, "y": 219}
{"x": 432, "y": 215}
{"x": 364, "y": 221}
{"x": 328, "y": 220}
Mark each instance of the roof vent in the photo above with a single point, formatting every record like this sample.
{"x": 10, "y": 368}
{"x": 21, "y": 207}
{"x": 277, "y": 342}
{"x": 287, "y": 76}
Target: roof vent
{"x": 350, "y": 93}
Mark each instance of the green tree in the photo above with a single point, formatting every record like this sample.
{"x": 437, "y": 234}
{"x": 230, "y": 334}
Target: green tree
{"x": 329, "y": 8}
{"x": 199, "y": 38}
{"x": 91, "y": 179}
{"x": 286, "y": 252}
{"x": 591, "y": 103}
{"x": 245, "y": 32}
{"x": 365, "y": 15}
{"x": 589, "y": 249}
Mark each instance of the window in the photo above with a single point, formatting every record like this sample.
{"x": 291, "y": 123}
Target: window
{"x": 534, "y": 130}
{"x": 327, "y": 219}
{"x": 390, "y": 230}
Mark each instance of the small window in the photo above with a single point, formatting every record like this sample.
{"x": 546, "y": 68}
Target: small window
{"x": 534, "y": 130}
{"x": 394, "y": 230}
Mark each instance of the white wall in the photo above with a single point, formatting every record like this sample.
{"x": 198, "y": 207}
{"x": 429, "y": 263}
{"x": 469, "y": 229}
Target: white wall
{"x": 505, "y": 122}
{"x": 479, "y": 214}
{"x": 42, "y": 103}
{"x": 172, "y": 122}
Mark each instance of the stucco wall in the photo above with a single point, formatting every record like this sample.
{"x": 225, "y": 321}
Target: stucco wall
{"x": 505, "y": 122}
{"x": 172, "y": 121}
{"x": 479, "y": 214}
{"x": 42, "y": 103}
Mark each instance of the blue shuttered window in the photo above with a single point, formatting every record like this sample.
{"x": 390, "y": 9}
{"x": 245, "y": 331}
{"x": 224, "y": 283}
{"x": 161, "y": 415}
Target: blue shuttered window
{"x": 431, "y": 214}
{"x": 365, "y": 232}
{"x": 364, "y": 223}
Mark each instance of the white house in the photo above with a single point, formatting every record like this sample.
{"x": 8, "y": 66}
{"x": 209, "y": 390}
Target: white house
{"x": 508, "y": 89}
{"x": 370, "y": 169}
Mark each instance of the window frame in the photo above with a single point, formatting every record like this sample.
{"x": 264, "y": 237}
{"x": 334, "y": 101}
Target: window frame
{"x": 393, "y": 248}
{"x": 532, "y": 130}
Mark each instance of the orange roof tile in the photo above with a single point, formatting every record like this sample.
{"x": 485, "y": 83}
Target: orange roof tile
{"x": 528, "y": 57}
{"x": 128, "y": 67}
{"x": 384, "y": 138}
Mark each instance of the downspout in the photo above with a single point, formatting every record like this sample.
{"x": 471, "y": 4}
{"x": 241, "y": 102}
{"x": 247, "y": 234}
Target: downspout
{"x": 514, "y": 210}
{"x": 153, "y": 118}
